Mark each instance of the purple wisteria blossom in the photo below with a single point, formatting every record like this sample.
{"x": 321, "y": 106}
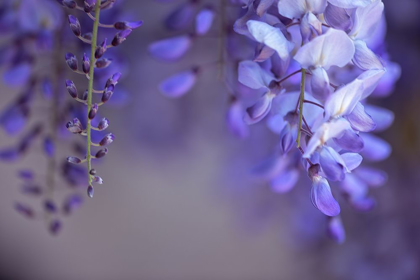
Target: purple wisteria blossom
{"x": 332, "y": 45}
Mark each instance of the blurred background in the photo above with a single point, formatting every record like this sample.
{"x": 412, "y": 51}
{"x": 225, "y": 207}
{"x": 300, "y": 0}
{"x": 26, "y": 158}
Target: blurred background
{"x": 179, "y": 202}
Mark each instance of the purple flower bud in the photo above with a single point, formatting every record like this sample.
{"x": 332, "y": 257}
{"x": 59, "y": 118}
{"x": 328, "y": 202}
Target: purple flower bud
{"x": 93, "y": 111}
{"x": 75, "y": 25}
{"x": 71, "y": 88}
{"x": 98, "y": 180}
{"x": 87, "y": 36}
{"x": 24, "y": 210}
{"x": 72, "y": 202}
{"x": 71, "y": 61}
{"x": 31, "y": 190}
{"x": 86, "y": 64}
{"x": 90, "y": 191}
{"x": 47, "y": 88}
{"x": 120, "y": 37}
{"x": 55, "y": 227}
{"x": 103, "y": 124}
{"x": 113, "y": 80}
{"x": 50, "y": 206}
{"x": 92, "y": 172}
{"x": 103, "y": 62}
{"x": 101, "y": 153}
{"x": 49, "y": 147}
{"x": 336, "y": 230}
{"x": 75, "y": 126}
{"x": 85, "y": 95}
{"x": 74, "y": 160}
{"x": 107, "y": 93}
{"x": 89, "y": 5}
{"x": 27, "y": 175}
{"x": 100, "y": 50}
{"x": 108, "y": 139}
{"x": 122, "y": 25}
{"x": 71, "y": 4}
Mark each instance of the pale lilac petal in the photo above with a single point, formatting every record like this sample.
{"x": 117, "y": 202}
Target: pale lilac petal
{"x": 336, "y": 230}
{"x": 322, "y": 197}
{"x": 386, "y": 84}
{"x": 271, "y": 167}
{"x": 203, "y": 21}
{"x": 360, "y": 120}
{"x": 352, "y": 160}
{"x": 262, "y": 53}
{"x": 332, "y": 48}
{"x": 372, "y": 176}
{"x": 178, "y": 84}
{"x": 325, "y": 132}
{"x": 271, "y": 37}
{"x": 338, "y": 18}
{"x": 364, "y": 58}
{"x": 332, "y": 164}
{"x": 350, "y": 141}
{"x": 348, "y": 4}
{"x": 235, "y": 120}
{"x": 310, "y": 25}
{"x": 253, "y": 76}
{"x": 375, "y": 149}
{"x": 353, "y": 187}
{"x": 366, "y": 19}
{"x": 285, "y": 181}
{"x": 171, "y": 49}
{"x": 320, "y": 84}
{"x": 344, "y": 99}
{"x": 381, "y": 116}
{"x": 259, "y": 110}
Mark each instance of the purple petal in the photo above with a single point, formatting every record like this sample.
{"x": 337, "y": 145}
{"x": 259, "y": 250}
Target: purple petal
{"x": 262, "y": 53}
{"x": 297, "y": 8}
{"x": 352, "y": 160}
{"x": 386, "y": 84}
{"x": 360, "y": 120}
{"x": 371, "y": 79}
{"x": 235, "y": 120}
{"x": 336, "y": 230}
{"x": 17, "y": 75}
{"x": 382, "y": 117}
{"x": 263, "y": 6}
{"x": 338, "y": 18}
{"x": 322, "y": 197}
{"x": 253, "y": 76}
{"x": 259, "y": 110}
{"x": 364, "y": 58}
{"x": 285, "y": 181}
{"x": 204, "y": 21}
{"x": 182, "y": 16}
{"x": 350, "y": 141}
{"x": 372, "y": 176}
{"x": 332, "y": 164}
{"x": 13, "y": 119}
{"x": 349, "y": 4}
{"x": 375, "y": 148}
{"x": 9, "y": 154}
{"x": 178, "y": 84}
{"x": 171, "y": 49}
{"x": 320, "y": 84}
{"x": 366, "y": 19}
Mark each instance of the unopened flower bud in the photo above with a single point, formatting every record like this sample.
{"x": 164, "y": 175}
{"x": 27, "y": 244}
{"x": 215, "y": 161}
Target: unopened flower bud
{"x": 101, "y": 153}
{"x": 93, "y": 111}
{"x": 50, "y": 206}
{"x": 85, "y": 95}
{"x": 90, "y": 191}
{"x": 113, "y": 80}
{"x": 108, "y": 139}
{"x": 86, "y": 64}
{"x": 75, "y": 126}
{"x": 107, "y": 93}
{"x": 100, "y": 50}
{"x": 71, "y": 88}
{"x": 55, "y": 226}
{"x": 122, "y": 25}
{"x": 120, "y": 37}
{"x": 71, "y": 4}
{"x": 92, "y": 172}
{"x": 74, "y": 160}
{"x": 89, "y": 5}
{"x": 103, "y": 124}
{"x": 103, "y": 62}
{"x": 98, "y": 180}
{"x": 71, "y": 61}
{"x": 75, "y": 25}
{"x": 87, "y": 36}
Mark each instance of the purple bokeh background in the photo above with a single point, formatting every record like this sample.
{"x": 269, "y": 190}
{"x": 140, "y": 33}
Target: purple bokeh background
{"x": 178, "y": 200}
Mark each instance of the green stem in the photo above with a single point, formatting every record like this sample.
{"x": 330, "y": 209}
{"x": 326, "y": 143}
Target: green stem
{"x": 301, "y": 101}
{"x": 90, "y": 89}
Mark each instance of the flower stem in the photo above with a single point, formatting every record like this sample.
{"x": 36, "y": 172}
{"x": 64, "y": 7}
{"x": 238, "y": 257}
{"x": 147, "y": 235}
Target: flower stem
{"x": 90, "y": 89}
{"x": 301, "y": 101}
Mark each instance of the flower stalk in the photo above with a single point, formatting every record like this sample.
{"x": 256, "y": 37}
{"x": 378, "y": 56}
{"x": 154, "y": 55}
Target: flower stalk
{"x": 301, "y": 101}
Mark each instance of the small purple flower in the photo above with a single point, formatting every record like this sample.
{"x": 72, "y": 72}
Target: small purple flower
{"x": 71, "y": 61}
{"x": 75, "y": 25}
{"x": 120, "y": 37}
{"x": 71, "y": 88}
{"x": 101, "y": 49}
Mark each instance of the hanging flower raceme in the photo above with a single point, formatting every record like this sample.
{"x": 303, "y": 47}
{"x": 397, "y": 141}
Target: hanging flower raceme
{"x": 323, "y": 117}
{"x": 87, "y": 67}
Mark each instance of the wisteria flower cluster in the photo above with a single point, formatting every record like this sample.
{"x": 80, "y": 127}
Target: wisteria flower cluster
{"x": 95, "y": 60}
{"x": 337, "y": 48}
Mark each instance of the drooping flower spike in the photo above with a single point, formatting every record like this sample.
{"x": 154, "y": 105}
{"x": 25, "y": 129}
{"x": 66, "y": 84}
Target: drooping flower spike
{"x": 93, "y": 9}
